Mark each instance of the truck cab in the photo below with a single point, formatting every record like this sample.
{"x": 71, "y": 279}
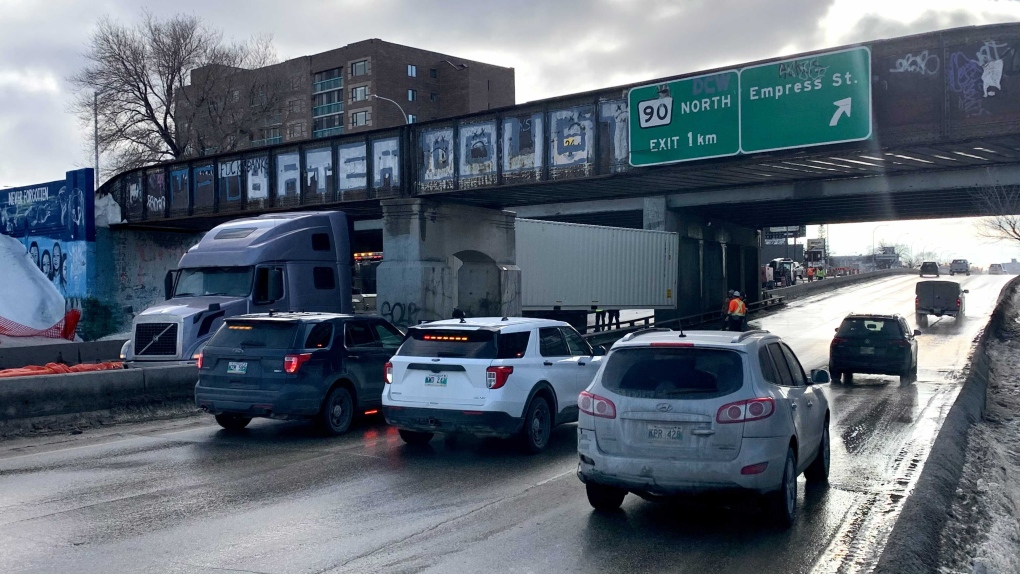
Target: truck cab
{"x": 280, "y": 262}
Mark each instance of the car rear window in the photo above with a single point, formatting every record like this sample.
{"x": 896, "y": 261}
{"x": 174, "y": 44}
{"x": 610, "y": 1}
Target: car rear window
{"x": 269, "y": 334}
{"x": 929, "y": 266}
{"x": 464, "y": 344}
{"x": 669, "y": 373}
{"x": 871, "y": 328}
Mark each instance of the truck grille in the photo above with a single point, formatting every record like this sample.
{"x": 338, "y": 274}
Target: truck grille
{"x": 156, "y": 339}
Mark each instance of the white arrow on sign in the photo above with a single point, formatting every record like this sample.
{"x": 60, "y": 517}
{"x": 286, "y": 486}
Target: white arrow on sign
{"x": 843, "y": 106}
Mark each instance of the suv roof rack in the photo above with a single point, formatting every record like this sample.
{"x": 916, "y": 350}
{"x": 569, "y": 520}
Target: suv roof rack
{"x": 740, "y": 338}
{"x": 640, "y": 332}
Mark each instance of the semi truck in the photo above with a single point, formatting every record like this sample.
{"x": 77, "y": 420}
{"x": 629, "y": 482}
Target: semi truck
{"x": 569, "y": 270}
{"x": 281, "y": 262}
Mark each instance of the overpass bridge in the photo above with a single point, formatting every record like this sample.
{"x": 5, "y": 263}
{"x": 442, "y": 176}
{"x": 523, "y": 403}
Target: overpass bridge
{"x": 935, "y": 119}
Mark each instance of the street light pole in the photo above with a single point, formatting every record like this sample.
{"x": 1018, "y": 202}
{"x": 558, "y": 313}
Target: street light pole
{"x": 395, "y": 104}
{"x": 95, "y": 131}
{"x": 874, "y": 260}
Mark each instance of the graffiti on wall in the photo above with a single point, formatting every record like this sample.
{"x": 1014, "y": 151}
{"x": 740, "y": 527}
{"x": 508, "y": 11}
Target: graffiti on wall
{"x": 230, "y": 172}
{"x": 204, "y": 186}
{"x": 352, "y": 168}
{"x": 288, "y": 174}
{"x": 386, "y": 164}
{"x": 319, "y": 174}
{"x": 614, "y": 118}
{"x": 437, "y": 160}
{"x": 923, "y": 63}
{"x": 155, "y": 193}
{"x": 478, "y": 155}
{"x": 973, "y": 77}
{"x": 179, "y": 191}
{"x": 258, "y": 181}
{"x": 133, "y": 192}
{"x": 571, "y": 142}
{"x": 523, "y": 148}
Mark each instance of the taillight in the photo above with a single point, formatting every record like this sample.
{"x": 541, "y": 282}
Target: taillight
{"x": 837, "y": 341}
{"x": 291, "y": 363}
{"x": 902, "y": 343}
{"x": 917, "y": 301}
{"x": 958, "y": 302}
{"x": 746, "y": 411}
{"x": 198, "y": 358}
{"x": 495, "y": 377}
{"x": 388, "y": 373}
{"x": 596, "y": 406}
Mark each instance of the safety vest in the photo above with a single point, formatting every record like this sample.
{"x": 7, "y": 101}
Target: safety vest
{"x": 737, "y": 307}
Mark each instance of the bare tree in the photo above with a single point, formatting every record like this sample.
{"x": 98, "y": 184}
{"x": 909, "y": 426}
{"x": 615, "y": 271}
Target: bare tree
{"x": 1002, "y": 204}
{"x": 140, "y": 82}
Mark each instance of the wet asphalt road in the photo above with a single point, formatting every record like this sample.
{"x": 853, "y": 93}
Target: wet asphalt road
{"x": 185, "y": 496}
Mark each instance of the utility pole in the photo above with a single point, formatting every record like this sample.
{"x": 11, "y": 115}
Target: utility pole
{"x": 95, "y": 131}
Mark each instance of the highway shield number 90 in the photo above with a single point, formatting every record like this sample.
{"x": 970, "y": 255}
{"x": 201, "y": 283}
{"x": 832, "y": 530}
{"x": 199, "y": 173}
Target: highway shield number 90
{"x": 654, "y": 113}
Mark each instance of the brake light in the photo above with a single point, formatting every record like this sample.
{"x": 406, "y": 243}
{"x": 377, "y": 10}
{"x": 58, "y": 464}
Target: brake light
{"x": 495, "y": 377}
{"x": 746, "y": 411}
{"x": 958, "y": 302}
{"x": 388, "y": 373}
{"x": 902, "y": 343}
{"x": 665, "y": 344}
{"x": 198, "y": 358}
{"x": 596, "y": 406}
{"x": 291, "y": 363}
{"x": 754, "y": 468}
{"x": 917, "y": 301}
{"x": 838, "y": 341}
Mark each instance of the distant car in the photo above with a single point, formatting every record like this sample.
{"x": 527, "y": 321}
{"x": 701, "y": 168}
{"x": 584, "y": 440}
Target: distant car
{"x": 488, "y": 376}
{"x": 873, "y": 344}
{"x": 995, "y": 269}
{"x": 939, "y": 298}
{"x": 321, "y": 366}
{"x": 959, "y": 266}
{"x": 675, "y": 413}
{"x": 929, "y": 268}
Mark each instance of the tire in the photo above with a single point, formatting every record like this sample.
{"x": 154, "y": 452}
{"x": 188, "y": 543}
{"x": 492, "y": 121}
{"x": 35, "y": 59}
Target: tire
{"x": 232, "y": 422}
{"x": 818, "y": 472}
{"x": 537, "y": 426}
{"x": 337, "y": 412}
{"x": 834, "y": 374}
{"x": 922, "y": 321}
{"x": 848, "y": 377}
{"x": 783, "y": 502}
{"x": 604, "y": 498}
{"x": 416, "y": 438}
{"x": 907, "y": 374}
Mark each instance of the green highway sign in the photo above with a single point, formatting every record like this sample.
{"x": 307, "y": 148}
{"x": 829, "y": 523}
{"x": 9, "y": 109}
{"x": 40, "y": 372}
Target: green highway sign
{"x": 683, "y": 120}
{"x": 814, "y": 100}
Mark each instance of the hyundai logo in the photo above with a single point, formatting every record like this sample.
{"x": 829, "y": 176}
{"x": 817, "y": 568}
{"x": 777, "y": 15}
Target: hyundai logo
{"x": 664, "y": 407}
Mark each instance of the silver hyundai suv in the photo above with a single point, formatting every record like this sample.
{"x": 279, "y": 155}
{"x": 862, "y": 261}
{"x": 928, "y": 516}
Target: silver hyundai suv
{"x": 673, "y": 413}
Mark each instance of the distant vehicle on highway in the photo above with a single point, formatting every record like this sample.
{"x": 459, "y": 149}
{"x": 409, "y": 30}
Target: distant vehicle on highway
{"x": 995, "y": 269}
{"x": 488, "y": 376}
{"x": 929, "y": 268}
{"x": 674, "y": 413}
{"x": 325, "y": 367}
{"x": 873, "y": 344}
{"x": 959, "y": 266}
{"x": 939, "y": 298}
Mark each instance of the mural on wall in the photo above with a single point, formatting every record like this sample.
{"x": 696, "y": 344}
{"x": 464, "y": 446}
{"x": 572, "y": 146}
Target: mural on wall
{"x": 258, "y": 181}
{"x": 288, "y": 177}
{"x": 523, "y": 147}
{"x": 615, "y": 147}
{"x": 570, "y": 148}
{"x": 179, "y": 192}
{"x": 385, "y": 164}
{"x": 437, "y": 160}
{"x": 478, "y": 155}
{"x": 978, "y": 74}
{"x": 55, "y": 222}
{"x": 352, "y": 169}
{"x": 318, "y": 175}
{"x": 204, "y": 198}
{"x": 133, "y": 196}
{"x": 155, "y": 194}
{"x": 230, "y": 185}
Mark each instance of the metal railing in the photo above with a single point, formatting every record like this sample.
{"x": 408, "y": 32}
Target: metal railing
{"x": 325, "y": 110}
{"x": 327, "y": 85}
{"x": 267, "y": 141}
{"x": 334, "y": 131}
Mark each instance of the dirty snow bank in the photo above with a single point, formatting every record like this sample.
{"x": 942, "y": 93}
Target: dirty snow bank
{"x": 983, "y": 536}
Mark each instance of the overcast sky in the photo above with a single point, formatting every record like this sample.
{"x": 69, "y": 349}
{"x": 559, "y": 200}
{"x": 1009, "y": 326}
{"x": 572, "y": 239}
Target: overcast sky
{"x": 556, "y": 46}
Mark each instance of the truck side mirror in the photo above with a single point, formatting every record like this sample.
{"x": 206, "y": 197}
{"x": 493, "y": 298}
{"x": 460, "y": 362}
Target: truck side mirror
{"x": 820, "y": 377}
{"x": 168, "y": 285}
{"x": 917, "y": 332}
{"x": 268, "y": 285}
{"x": 275, "y": 284}
{"x": 966, "y": 290}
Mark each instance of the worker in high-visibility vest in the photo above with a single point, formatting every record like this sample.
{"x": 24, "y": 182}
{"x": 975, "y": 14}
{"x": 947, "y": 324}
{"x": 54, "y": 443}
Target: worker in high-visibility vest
{"x": 736, "y": 312}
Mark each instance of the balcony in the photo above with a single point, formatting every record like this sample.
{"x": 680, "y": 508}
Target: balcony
{"x": 267, "y": 141}
{"x": 327, "y": 85}
{"x": 339, "y": 130}
{"x": 327, "y": 109}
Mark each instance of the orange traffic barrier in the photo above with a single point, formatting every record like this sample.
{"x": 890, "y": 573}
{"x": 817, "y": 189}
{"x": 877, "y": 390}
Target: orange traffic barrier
{"x": 59, "y": 369}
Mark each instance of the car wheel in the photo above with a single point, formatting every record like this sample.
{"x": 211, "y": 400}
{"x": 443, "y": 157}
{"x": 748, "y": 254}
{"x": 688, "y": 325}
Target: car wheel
{"x": 233, "y": 422}
{"x": 922, "y": 321}
{"x": 416, "y": 438}
{"x": 604, "y": 498}
{"x": 337, "y": 412}
{"x": 783, "y": 502}
{"x": 834, "y": 374}
{"x": 537, "y": 426}
{"x": 818, "y": 472}
{"x": 848, "y": 377}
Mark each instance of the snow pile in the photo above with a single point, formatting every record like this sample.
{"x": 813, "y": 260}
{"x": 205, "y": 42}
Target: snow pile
{"x": 29, "y": 302}
{"x": 107, "y": 211}
{"x": 984, "y": 536}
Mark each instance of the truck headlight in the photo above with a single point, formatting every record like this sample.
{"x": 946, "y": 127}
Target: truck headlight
{"x": 125, "y": 350}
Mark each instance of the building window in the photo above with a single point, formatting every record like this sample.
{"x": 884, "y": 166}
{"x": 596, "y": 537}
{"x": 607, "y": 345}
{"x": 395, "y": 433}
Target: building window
{"x": 433, "y": 73}
{"x": 412, "y": 95}
{"x": 293, "y": 106}
{"x": 411, "y": 118}
{"x": 359, "y": 119}
{"x": 328, "y": 80}
{"x": 274, "y": 118}
{"x": 296, "y": 130}
{"x": 359, "y": 68}
{"x": 359, "y": 94}
{"x": 434, "y": 97}
{"x": 412, "y": 71}
{"x": 328, "y": 74}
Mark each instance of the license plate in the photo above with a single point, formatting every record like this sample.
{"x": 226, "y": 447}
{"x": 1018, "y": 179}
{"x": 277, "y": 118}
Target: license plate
{"x": 237, "y": 368}
{"x": 665, "y": 434}
{"x": 867, "y": 350}
{"x": 435, "y": 380}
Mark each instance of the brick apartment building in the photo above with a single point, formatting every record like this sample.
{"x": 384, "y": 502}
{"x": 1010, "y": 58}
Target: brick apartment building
{"x": 339, "y": 92}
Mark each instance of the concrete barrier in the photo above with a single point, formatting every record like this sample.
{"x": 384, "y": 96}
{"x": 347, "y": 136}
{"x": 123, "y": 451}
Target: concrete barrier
{"x": 52, "y": 395}
{"x": 67, "y": 353}
{"x": 806, "y": 288}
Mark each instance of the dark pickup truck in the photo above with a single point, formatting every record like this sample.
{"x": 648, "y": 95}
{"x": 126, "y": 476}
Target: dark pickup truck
{"x": 939, "y": 298}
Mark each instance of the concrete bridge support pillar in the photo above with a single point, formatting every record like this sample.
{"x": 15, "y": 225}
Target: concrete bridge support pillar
{"x": 441, "y": 256}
